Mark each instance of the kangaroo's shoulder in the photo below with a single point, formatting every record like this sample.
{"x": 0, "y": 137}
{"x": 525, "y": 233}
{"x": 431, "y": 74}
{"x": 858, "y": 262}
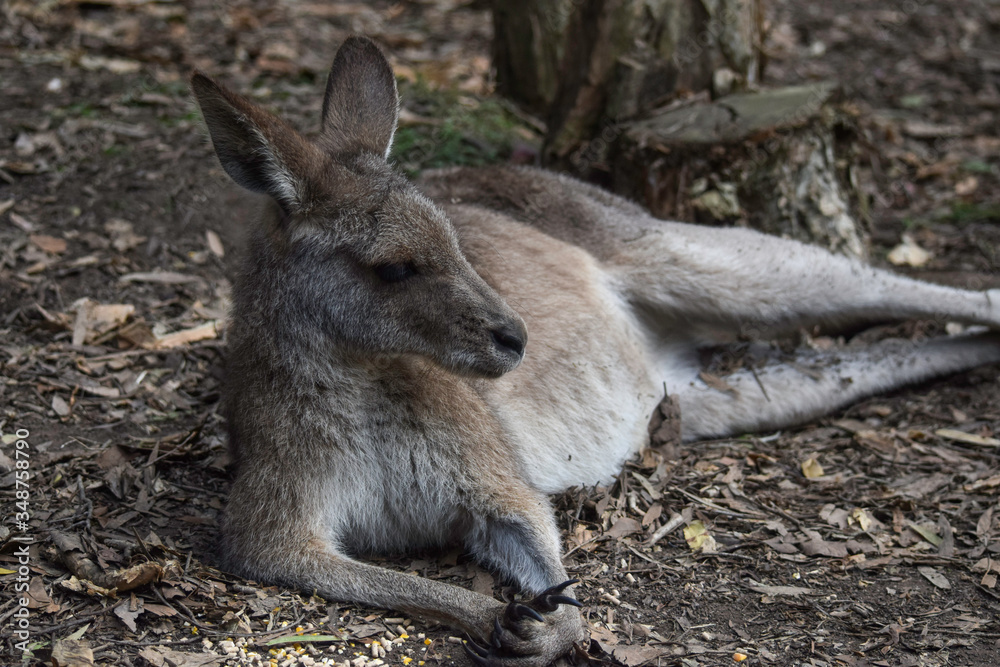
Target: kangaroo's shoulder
{"x": 558, "y": 205}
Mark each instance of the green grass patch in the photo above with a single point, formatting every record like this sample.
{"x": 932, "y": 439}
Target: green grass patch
{"x": 966, "y": 212}
{"x": 455, "y": 128}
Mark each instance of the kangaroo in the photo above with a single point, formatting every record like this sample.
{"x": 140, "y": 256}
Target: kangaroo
{"x": 416, "y": 367}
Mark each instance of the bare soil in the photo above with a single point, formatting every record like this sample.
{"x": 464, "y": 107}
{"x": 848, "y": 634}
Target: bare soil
{"x": 869, "y": 538}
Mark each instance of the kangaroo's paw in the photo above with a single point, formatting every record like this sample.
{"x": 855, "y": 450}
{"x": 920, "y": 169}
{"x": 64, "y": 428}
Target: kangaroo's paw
{"x": 532, "y": 633}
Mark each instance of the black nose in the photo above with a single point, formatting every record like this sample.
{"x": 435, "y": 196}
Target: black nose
{"x": 510, "y": 339}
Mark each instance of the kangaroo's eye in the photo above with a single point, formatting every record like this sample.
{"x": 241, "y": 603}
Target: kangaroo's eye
{"x": 395, "y": 272}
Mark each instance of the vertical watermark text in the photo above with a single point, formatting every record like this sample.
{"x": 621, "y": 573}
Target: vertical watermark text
{"x": 20, "y": 620}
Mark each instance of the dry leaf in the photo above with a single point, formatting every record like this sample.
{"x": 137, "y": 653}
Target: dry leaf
{"x": 775, "y": 591}
{"x": 698, "y": 537}
{"x": 624, "y": 526}
{"x": 178, "y": 338}
{"x": 984, "y": 524}
{"x": 860, "y": 517}
{"x": 60, "y": 406}
{"x": 908, "y": 253}
{"x": 127, "y": 615}
{"x": 934, "y": 576}
{"x": 926, "y": 533}
{"x": 638, "y": 655}
{"x": 72, "y": 653}
{"x": 94, "y": 319}
{"x": 161, "y": 277}
{"x": 122, "y": 236}
{"x": 215, "y": 244}
{"x": 966, "y": 186}
{"x": 811, "y": 468}
{"x": 969, "y": 438}
{"x": 49, "y": 244}
{"x": 21, "y": 222}
{"x": 987, "y": 565}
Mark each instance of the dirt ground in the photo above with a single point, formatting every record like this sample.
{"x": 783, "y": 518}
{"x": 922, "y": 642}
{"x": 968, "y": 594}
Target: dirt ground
{"x": 868, "y": 538}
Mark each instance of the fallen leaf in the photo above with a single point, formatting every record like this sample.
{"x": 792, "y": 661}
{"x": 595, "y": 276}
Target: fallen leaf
{"x": 161, "y": 277}
{"x": 811, "y": 468}
{"x": 60, "y": 405}
{"x": 984, "y": 524}
{"x": 966, "y": 186}
{"x": 861, "y": 517}
{"x": 624, "y": 526}
{"x": 603, "y": 635}
{"x": 987, "y": 483}
{"x": 908, "y": 253}
{"x": 23, "y": 223}
{"x": 159, "y": 609}
{"x": 160, "y": 656}
{"x": 817, "y": 546}
{"x": 38, "y": 597}
{"x": 969, "y": 438}
{"x": 128, "y": 616}
{"x": 49, "y": 244}
{"x": 638, "y": 655}
{"x": 122, "y": 235}
{"x": 698, "y": 537}
{"x": 935, "y": 577}
{"x": 72, "y": 653}
{"x": 95, "y": 319}
{"x": 215, "y": 244}
{"x": 924, "y": 130}
{"x": 113, "y": 65}
{"x": 775, "y": 591}
{"x": 926, "y": 533}
{"x": 987, "y": 565}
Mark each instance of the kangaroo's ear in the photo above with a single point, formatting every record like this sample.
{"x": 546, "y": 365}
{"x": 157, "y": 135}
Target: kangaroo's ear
{"x": 360, "y": 107}
{"x": 258, "y": 150}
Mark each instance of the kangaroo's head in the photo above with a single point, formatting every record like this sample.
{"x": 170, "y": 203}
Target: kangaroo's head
{"x": 362, "y": 260}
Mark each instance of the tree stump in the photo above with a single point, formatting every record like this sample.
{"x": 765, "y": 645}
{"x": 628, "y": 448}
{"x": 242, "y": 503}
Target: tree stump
{"x": 778, "y": 161}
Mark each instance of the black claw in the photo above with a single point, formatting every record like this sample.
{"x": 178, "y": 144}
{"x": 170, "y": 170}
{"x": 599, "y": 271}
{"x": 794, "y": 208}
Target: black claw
{"x": 564, "y": 599}
{"x": 479, "y": 654}
{"x": 519, "y": 611}
{"x": 559, "y": 588}
{"x": 497, "y": 631}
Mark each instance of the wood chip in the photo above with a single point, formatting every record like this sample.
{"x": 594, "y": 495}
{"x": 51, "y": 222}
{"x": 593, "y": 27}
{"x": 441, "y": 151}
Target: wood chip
{"x": 201, "y": 332}
{"x": 161, "y": 277}
{"x": 968, "y": 438}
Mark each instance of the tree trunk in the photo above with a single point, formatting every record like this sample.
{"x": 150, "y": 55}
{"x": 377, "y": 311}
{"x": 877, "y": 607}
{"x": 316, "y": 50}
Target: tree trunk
{"x": 637, "y": 97}
{"x": 585, "y": 64}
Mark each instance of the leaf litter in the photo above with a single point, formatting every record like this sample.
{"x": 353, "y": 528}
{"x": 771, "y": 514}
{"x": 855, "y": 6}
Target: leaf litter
{"x": 868, "y": 538}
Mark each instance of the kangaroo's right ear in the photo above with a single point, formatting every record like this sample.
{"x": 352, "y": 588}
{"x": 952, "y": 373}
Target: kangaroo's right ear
{"x": 361, "y": 106}
{"x": 258, "y": 150}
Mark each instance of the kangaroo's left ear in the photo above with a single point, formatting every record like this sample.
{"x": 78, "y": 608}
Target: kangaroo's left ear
{"x": 361, "y": 106}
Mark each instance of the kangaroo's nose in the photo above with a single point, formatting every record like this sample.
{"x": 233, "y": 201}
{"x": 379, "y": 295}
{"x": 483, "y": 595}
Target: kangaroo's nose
{"x": 510, "y": 339}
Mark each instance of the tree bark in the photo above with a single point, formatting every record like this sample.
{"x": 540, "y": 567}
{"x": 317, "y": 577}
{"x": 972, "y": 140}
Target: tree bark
{"x": 777, "y": 160}
{"x": 585, "y": 64}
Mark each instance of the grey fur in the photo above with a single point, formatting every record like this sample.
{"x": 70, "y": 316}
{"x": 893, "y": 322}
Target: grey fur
{"x": 377, "y": 399}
